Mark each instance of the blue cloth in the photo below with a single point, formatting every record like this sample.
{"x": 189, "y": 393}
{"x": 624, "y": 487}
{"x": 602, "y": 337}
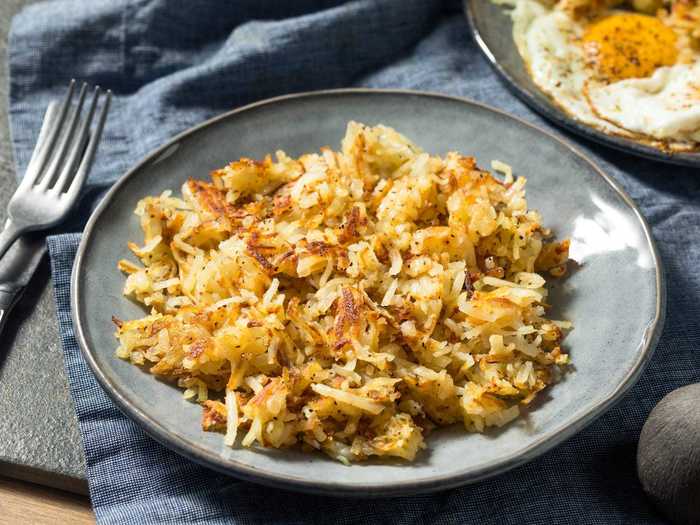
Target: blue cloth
{"x": 172, "y": 64}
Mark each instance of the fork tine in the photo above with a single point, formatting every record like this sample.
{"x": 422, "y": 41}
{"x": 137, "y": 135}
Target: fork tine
{"x": 47, "y": 149}
{"x": 49, "y": 119}
{"x": 69, "y": 171}
{"x": 46, "y": 127}
{"x": 76, "y": 145}
{"x": 89, "y": 156}
{"x": 65, "y": 141}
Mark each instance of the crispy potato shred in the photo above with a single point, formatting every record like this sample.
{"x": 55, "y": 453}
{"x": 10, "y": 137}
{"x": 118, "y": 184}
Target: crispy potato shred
{"x": 347, "y": 301}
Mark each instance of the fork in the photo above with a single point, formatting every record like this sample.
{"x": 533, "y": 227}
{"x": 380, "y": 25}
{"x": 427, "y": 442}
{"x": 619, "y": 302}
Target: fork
{"x": 58, "y": 168}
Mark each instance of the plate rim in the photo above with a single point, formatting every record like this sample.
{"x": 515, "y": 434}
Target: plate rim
{"x": 560, "y": 118}
{"x": 212, "y": 460}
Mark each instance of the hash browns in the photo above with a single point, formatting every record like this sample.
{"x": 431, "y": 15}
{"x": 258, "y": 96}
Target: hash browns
{"x": 347, "y": 301}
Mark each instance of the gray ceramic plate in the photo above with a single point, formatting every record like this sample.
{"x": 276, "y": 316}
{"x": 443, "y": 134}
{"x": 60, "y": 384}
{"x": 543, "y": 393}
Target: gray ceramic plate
{"x": 491, "y": 26}
{"x": 615, "y": 298}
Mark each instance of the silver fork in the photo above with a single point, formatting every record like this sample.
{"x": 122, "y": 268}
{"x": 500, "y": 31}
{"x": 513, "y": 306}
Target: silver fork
{"x": 58, "y": 168}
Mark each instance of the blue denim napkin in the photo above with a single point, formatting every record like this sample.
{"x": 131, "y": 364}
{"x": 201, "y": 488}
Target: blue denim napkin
{"x": 172, "y": 64}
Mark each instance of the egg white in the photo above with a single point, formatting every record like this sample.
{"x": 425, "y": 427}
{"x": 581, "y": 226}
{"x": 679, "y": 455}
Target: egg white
{"x": 665, "y": 106}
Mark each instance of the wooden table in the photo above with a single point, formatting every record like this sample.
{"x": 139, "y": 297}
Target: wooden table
{"x": 22, "y": 502}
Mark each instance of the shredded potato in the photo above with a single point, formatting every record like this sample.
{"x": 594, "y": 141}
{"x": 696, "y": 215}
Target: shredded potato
{"x": 683, "y": 16}
{"x": 348, "y": 301}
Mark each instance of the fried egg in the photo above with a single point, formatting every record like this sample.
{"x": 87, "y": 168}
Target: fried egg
{"x": 618, "y": 72}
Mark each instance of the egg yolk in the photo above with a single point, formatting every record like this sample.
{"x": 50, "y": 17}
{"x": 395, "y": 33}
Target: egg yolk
{"x": 628, "y": 45}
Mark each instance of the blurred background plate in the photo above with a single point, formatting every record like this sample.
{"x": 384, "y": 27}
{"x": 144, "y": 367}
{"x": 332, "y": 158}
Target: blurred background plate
{"x": 617, "y": 267}
{"x": 492, "y": 29}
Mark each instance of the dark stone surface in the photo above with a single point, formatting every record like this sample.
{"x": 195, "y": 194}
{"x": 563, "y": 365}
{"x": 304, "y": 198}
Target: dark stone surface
{"x": 39, "y": 439}
{"x": 668, "y": 457}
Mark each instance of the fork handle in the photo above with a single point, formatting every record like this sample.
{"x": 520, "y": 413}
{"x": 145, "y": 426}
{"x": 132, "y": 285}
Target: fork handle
{"x": 8, "y": 236}
{"x": 9, "y": 296}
